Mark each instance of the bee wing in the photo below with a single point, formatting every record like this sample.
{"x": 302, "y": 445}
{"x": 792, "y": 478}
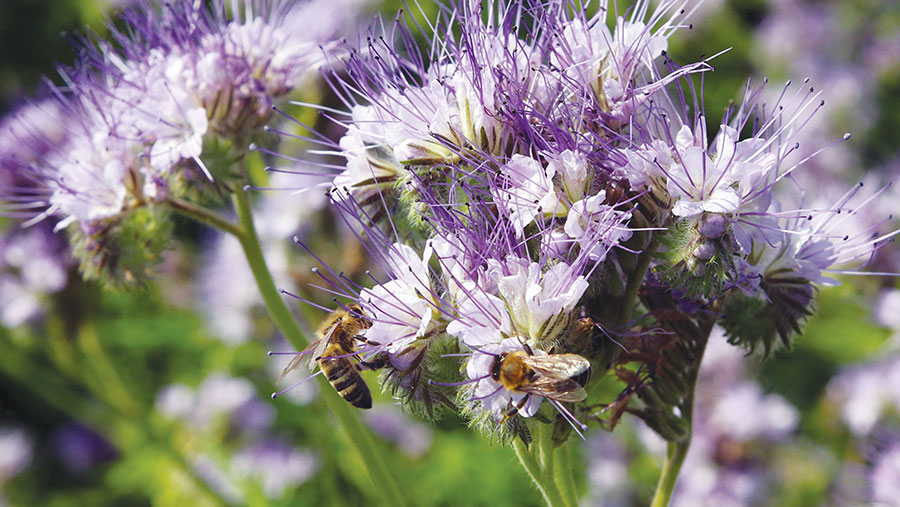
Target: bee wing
{"x": 555, "y": 389}
{"x": 558, "y": 366}
{"x": 314, "y": 349}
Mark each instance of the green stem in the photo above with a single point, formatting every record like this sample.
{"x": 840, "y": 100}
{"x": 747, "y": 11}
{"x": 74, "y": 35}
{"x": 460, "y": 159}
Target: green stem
{"x": 358, "y": 435}
{"x": 565, "y": 478}
{"x": 112, "y": 384}
{"x": 249, "y": 240}
{"x": 203, "y": 215}
{"x": 634, "y": 284}
{"x": 538, "y": 462}
{"x": 676, "y": 452}
{"x": 530, "y": 464}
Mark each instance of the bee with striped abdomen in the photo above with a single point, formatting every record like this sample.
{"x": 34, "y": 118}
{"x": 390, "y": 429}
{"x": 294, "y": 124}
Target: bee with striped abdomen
{"x": 333, "y": 352}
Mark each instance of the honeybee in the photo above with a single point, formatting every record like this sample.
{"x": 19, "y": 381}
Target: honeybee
{"x": 557, "y": 377}
{"x": 333, "y": 351}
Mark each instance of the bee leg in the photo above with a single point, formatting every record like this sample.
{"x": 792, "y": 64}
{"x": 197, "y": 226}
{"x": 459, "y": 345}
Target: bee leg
{"x": 364, "y": 340}
{"x": 513, "y": 410}
{"x": 375, "y": 364}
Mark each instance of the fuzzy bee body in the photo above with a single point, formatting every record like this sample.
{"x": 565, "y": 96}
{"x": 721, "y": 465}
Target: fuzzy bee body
{"x": 557, "y": 377}
{"x": 333, "y": 353}
{"x": 344, "y": 376}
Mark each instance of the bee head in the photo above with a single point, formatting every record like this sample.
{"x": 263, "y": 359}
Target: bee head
{"x": 495, "y": 368}
{"x": 357, "y": 312}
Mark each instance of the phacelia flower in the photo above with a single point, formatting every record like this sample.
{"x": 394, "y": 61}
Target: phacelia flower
{"x": 184, "y": 84}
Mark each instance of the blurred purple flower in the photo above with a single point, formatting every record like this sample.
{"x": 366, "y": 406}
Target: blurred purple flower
{"x": 80, "y": 448}
{"x": 276, "y": 465}
{"x": 885, "y": 476}
{"x": 15, "y": 452}
{"x": 607, "y": 472}
{"x": 34, "y": 265}
{"x": 412, "y": 437}
{"x": 864, "y": 392}
{"x": 219, "y": 398}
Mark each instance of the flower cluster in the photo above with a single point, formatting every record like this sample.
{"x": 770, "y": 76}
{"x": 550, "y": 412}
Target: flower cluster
{"x": 538, "y": 189}
{"x": 151, "y": 113}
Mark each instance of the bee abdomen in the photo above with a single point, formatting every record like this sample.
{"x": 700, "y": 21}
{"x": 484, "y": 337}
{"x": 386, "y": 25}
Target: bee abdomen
{"x": 347, "y": 381}
{"x": 336, "y": 368}
{"x": 357, "y": 393}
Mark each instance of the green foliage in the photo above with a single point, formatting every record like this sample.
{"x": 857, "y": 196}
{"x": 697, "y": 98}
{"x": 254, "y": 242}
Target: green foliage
{"x": 842, "y": 330}
{"x": 464, "y": 469}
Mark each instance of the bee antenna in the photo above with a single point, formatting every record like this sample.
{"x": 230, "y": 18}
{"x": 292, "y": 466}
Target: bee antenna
{"x": 286, "y": 389}
{"x": 476, "y": 349}
{"x": 451, "y": 384}
{"x": 575, "y": 423}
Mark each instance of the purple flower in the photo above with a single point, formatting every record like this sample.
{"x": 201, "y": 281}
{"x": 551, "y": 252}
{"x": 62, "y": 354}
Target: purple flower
{"x": 607, "y": 471}
{"x": 35, "y": 266}
{"x": 219, "y": 398}
{"x": 509, "y": 177}
{"x": 15, "y": 452}
{"x": 412, "y": 437}
{"x": 884, "y": 474}
{"x": 402, "y": 308}
{"x": 274, "y": 464}
{"x": 139, "y": 111}
{"x": 80, "y": 449}
{"x": 865, "y": 392}
{"x": 617, "y": 67}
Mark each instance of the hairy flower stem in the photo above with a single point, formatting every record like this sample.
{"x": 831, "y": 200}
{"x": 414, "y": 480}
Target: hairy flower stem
{"x": 358, "y": 435}
{"x": 538, "y": 462}
{"x": 565, "y": 474}
{"x": 530, "y": 464}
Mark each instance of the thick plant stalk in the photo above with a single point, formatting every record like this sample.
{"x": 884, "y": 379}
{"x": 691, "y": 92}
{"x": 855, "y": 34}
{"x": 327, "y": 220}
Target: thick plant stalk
{"x": 547, "y": 488}
{"x": 565, "y": 474}
{"x": 675, "y": 454}
{"x": 358, "y": 435}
